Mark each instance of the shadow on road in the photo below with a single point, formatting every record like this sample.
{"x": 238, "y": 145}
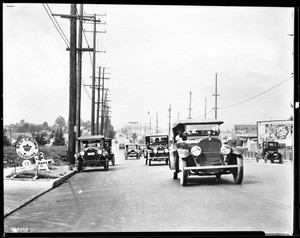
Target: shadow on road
{"x": 211, "y": 181}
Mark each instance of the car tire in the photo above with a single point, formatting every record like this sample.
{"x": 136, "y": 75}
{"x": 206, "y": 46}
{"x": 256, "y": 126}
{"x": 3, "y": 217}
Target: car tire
{"x": 113, "y": 161}
{"x": 79, "y": 167}
{"x": 218, "y": 176}
{"x": 106, "y": 165}
{"x": 183, "y": 175}
{"x": 238, "y": 173}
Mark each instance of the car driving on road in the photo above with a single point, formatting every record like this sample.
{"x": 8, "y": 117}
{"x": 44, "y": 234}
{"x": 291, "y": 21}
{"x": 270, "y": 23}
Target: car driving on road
{"x": 197, "y": 150}
{"x": 132, "y": 151}
{"x": 270, "y": 152}
{"x": 92, "y": 153}
{"x": 157, "y": 148}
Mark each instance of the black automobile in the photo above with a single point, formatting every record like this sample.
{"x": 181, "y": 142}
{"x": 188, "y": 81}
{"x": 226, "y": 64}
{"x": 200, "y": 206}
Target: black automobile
{"x": 270, "y": 152}
{"x": 198, "y": 151}
{"x": 92, "y": 153}
{"x": 157, "y": 148}
{"x": 108, "y": 148}
{"x": 132, "y": 151}
{"x": 121, "y": 146}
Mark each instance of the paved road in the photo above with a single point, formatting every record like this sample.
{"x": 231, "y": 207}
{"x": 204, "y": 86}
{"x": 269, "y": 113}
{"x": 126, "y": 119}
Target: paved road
{"x": 132, "y": 196}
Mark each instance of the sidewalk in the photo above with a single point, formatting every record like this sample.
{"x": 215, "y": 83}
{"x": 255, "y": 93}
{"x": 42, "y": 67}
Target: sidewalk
{"x": 18, "y": 193}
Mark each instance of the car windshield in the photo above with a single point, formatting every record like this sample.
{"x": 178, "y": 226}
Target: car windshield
{"x": 202, "y": 130}
{"x": 131, "y": 147}
{"x": 158, "y": 140}
{"x": 86, "y": 144}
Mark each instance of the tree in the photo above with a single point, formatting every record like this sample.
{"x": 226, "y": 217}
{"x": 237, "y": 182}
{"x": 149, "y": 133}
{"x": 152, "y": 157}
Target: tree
{"x": 60, "y": 122}
{"x": 45, "y": 125}
{"x": 59, "y": 139}
{"x": 6, "y": 141}
{"x": 40, "y": 138}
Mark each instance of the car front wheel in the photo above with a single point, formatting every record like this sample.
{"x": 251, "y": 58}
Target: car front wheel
{"x": 238, "y": 173}
{"x": 183, "y": 175}
{"x": 79, "y": 167}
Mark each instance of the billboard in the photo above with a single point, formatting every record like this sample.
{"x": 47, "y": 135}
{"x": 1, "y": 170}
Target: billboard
{"x": 279, "y": 130}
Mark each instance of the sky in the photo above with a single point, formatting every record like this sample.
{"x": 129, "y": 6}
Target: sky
{"x": 155, "y": 56}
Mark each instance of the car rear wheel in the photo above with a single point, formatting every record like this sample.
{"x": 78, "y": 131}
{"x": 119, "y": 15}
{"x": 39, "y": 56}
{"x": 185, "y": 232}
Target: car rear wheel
{"x": 238, "y": 173}
{"x": 183, "y": 175}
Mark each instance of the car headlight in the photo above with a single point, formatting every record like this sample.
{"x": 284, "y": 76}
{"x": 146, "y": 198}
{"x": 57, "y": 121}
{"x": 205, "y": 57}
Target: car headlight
{"x": 196, "y": 150}
{"x": 105, "y": 153}
{"x": 155, "y": 151}
{"x": 225, "y": 149}
{"x": 82, "y": 153}
{"x": 99, "y": 152}
{"x": 183, "y": 153}
{"x": 166, "y": 150}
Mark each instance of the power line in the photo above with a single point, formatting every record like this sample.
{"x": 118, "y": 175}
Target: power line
{"x": 251, "y": 97}
{"x": 58, "y": 24}
{"x": 66, "y": 41}
{"x": 257, "y": 94}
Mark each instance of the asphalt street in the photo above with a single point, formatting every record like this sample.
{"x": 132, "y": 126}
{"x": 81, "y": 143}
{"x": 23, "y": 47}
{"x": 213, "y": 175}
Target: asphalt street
{"x": 132, "y": 196}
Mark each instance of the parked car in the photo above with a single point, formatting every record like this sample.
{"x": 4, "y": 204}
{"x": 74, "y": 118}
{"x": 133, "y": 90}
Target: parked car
{"x": 121, "y": 146}
{"x": 270, "y": 152}
{"x": 132, "y": 151}
{"x": 108, "y": 148}
{"x": 198, "y": 150}
{"x": 92, "y": 153}
{"x": 157, "y": 148}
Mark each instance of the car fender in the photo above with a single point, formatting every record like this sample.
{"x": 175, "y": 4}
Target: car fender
{"x": 172, "y": 162}
{"x": 238, "y": 150}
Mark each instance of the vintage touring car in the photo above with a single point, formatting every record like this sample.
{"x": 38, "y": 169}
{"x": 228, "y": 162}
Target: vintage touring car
{"x": 132, "y": 151}
{"x": 93, "y": 152}
{"x": 108, "y": 148}
{"x": 270, "y": 152}
{"x": 198, "y": 150}
{"x": 157, "y": 148}
{"x": 121, "y": 146}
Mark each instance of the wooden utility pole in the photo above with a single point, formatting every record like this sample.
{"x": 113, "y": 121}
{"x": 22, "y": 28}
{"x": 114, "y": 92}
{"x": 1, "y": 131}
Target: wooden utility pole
{"x": 93, "y": 82}
{"x": 190, "y": 108}
{"x": 150, "y": 126}
{"x": 156, "y": 130}
{"x": 102, "y": 104}
{"x": 205, "y": 108}
{"x": 216, "y": 100}
{"x": 98, "y": 104}
{"x": 79, "y": 75}
{"x": 72, "y": 87}
{"x": 169, "y": 121}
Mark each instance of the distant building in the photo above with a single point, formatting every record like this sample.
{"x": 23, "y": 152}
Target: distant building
{"x": 248, "y": 134}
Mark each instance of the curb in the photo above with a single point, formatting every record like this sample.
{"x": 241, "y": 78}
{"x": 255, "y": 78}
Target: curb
{"x": 59, "y": 181}
{"x": 56, "y": 183}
